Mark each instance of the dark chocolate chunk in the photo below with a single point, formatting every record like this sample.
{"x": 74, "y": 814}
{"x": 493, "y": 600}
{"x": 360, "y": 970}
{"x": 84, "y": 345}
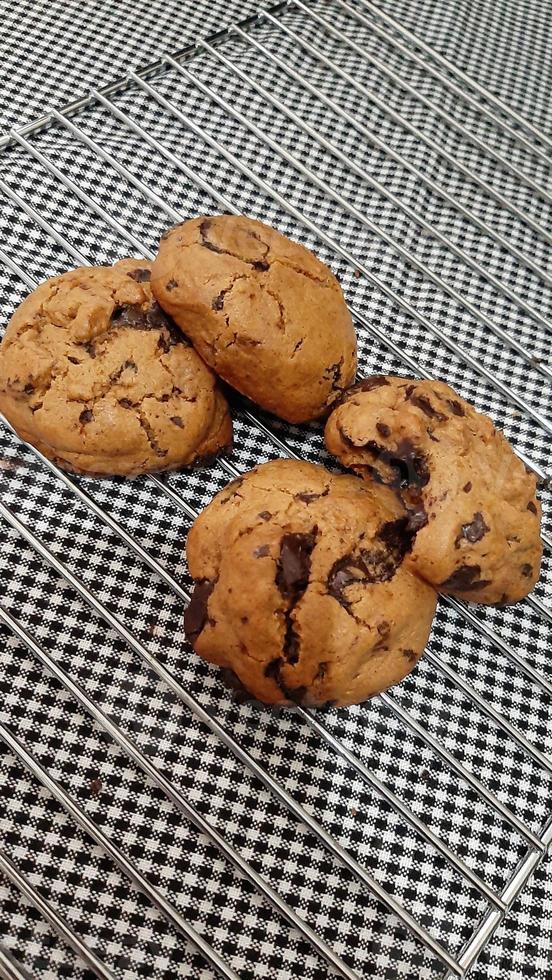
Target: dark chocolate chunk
{"x": 466, "y": 578}
{"x": 265, "y": 515}
{"x": 473, "y": 531}
{"x": 176, "y": 420}
{"x": 262, "y": 551}
{"x": 292, "y": 576}
{"x": 417, "y": 519}
{"x": 272, "y": 668}
{"x": 383, "y": 429}
{"x": 125, "y": 403}
{"x": 422, "y": 402}
{"x": 531, "y": 506}
{"x": 456, "y": 407}
{"x": 431, "y": 436}
{"x": 134, "y": 316}
{"x": 333, "y": 374}
{"x": 195, "y": 614}
{"x": 407, "y": 464}
{"x": 467, "y": 487}
{"x": 291, "y": 641}
{"x": 410, "y": 655}
{"x": 140, "y": 275}
{"x": 308, "y": 498}
{"x": 86, "y": 416}
{"x": 526, "y": 570}
{"x": 261, "y": 266}
{"x": 29, "y": 389}
{"x": 74, "y": 360}
{"x": 170, "y": 285}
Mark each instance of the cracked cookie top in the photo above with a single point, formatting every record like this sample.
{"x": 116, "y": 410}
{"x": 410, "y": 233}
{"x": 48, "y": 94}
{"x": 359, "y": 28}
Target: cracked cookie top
{"x": 304, "y": 591}
{"x": 95, "y": 375}
{"x": 467, "y": 495}
{"x": 262, "y": 311}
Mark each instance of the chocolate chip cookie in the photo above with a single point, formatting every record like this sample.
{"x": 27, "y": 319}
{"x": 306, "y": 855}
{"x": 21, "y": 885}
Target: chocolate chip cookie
{"x": 466, "y": 494}
{"x": 304, "y": 591}
{"x": 262, "y": 311}
{"x": 95, "y": 375}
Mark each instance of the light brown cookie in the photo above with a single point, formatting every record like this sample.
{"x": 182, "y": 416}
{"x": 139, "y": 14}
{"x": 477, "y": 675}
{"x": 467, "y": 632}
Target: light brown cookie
{"x": 95, "y": 375}
{"x": 262, "y": 311}
{"x": 303, "y": 588}
{"x": 466, "y": 492}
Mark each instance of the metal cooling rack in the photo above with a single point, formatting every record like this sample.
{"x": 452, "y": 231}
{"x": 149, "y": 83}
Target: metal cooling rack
{"x": 310, "y": 21}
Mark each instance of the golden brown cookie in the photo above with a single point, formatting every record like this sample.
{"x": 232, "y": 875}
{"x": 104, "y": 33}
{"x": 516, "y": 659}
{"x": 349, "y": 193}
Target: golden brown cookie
{"x": 304, "y": 591}
{"x": 262, "y": 311}
{"x": 95, "y": 375}
{"x": 467, "y": 494}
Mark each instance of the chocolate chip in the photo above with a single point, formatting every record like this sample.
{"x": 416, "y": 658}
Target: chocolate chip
{"x": 262, "y": 551}
{"x": 29, "y": 389}
{"x": 291, "y": 641}
{"x": 410, "y": 655}
{"x": 86, "y": 416}
{"x": 467, "y": 487}
{"x": 531, "y": 506}
{"x": 383, "y": 628}
{"x": 423, "y": 403}
{"x": 265, "y": 515}
{"x": 333, "y": 374}
{"x": 368, "y": 384}
{"x": 308, "y": 498}
{"x": 383, "y": 429}
{"x": 74, "y": 360}
{"x": 170, "y": 285}
{"x": 417, "y": 519}
{"x": 140, "y": 275}
{"x": 195, "y": 615}
{"x": 465, "y": 578}
{"x": 407, "y": 464}
{"x": 456, "y": 407}
{"x": 272, "y": 668}
{"x": 125, "y": 403}
{"x": 294, "y": 563}
{"x": 137, "y": 318}
{"x": 261, "y": 266}
{"x": 176, "y": 420}
{"x": 431, "y": 436}
{"x": 526, "y": 570}
{"x": 473, "y": 531}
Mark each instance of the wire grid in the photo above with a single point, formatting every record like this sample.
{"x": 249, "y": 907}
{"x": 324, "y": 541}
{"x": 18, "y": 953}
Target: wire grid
{"x": 387, "y": 838}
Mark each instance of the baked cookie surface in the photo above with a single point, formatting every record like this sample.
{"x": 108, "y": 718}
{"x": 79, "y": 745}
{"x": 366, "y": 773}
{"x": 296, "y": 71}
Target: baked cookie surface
{"x": 303, "y": 587}
{"x": 467, "y": 494}
{"x": 95, "y": 375}
{"x": 262, "y": 311}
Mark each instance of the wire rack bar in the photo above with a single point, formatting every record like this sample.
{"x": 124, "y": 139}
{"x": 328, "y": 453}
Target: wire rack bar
{"x": 52, "y": 917}
{"x": 222, "y": 733}
{"x": 485, "y": 147}
{"x": 510, "y": 394}
{"x": 10, "y": 968}
{"x": 354, "y": 211}
{"x": 178, "y": 216}
{"x": 419, "y": 134}
{"x": 363, "y": 131}
{"x": 453, "y": 123}
{"x": 176, "y": 796}
{"x": 130, "y": 870}
{"x": 521, "y": 257}
{"x": 453, "y": 69}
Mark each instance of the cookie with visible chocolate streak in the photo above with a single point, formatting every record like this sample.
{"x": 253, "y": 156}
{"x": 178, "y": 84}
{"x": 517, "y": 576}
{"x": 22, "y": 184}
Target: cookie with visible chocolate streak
{"x": 95, "y": 375}
{"x": 261, "y": 310}
{"x": 466, "y": 494}
{"x": 304, "y": 589}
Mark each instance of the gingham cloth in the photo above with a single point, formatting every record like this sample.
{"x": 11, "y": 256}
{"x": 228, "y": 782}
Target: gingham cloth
{"x": 52, "y": 53}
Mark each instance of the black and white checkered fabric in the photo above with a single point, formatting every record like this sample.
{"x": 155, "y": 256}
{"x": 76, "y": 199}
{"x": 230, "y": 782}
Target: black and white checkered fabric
{"x": 54, "y": 52}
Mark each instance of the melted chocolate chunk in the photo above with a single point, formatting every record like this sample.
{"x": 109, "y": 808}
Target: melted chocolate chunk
{"x": 526, "y": 570}
{"x": 260, "y": 266}
{"x": 29, "y": 389}
{"x": 474, "y": 531}
{"x": 195, "y": 615}
{"x": 417, "y": 519}
{"x": 262, "y": 551}
{"x": 422, "y": 402}
{"x": 333, "y": 374}
{"x": 466, "y": 578}
{"x": 365, "y": 384}
{"x": 410, "y": 655}
{"x": 272, "y": 668}
{"x": 74, "y": 360}
{"x": 152, "y": 318}
{"x": 467, "y": 487}
{"x": 531, "y": 506}
{"x": 86, "y": 416}
{"x": 398, "y": 536}
{"x": 374, "y": 565}
{"x": 291, "y": 642}
{"x": 265, "y": 515}
{"x": 408, "y": 463}
{"x": 170, "y": 285}
{"x": 308, "y": 498}
{"x": 140, "y": 275}
{"x": 125, "y": 403}
{"x": 456, "y": 407}
{"x": 176, "y": 420}
{"x": 383, "y": 429}
{"x": 292, "y": 576}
